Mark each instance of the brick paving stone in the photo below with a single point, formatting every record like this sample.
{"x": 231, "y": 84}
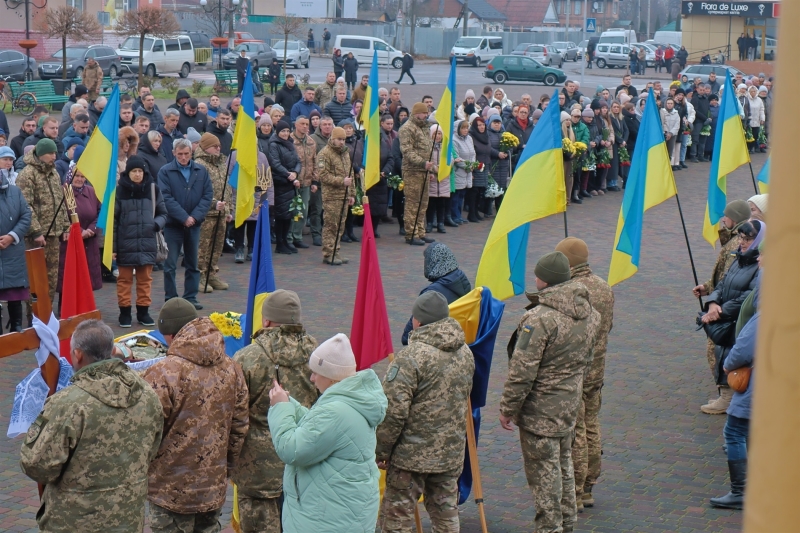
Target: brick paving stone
{"x": 662, "y": 458}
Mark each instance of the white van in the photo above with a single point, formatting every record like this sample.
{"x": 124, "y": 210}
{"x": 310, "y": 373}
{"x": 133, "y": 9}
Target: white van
{"x": 477, "y": 50}
{"x": 160, "y": 56}
{"x": 618, "y": 37}
{"x": 363, "y": 49}
{"x": 669, "y": 37}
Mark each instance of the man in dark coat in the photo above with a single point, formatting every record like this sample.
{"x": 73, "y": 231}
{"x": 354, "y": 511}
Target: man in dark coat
{"x": 289, "y": 94}
{"x": 187, "y": 192}
{"x": 702, "y": 117}
{"x": 338, "y": 109}
{"x": 241, "y": 68}
{"x": 408, "y": 64}
{"x": 192, "y": 118}
{"x": 180, "y": 98}
{"x": 219, "y": 129}
{"x": 169, "y": 132}
{"x": 27, "y": 129}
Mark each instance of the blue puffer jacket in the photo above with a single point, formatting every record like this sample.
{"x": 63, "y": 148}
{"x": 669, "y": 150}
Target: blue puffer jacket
{"x": 743, "y": 354}
{"x": 15, "y": 217}
{"x": 330, "y": 484}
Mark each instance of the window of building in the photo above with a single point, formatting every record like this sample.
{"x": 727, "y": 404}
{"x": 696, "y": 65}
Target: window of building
{"x": 577, "y": 6}
{"x": 614, "y": 6}
{"x": 598, "y": 7}
{"x": 77, "y": 4}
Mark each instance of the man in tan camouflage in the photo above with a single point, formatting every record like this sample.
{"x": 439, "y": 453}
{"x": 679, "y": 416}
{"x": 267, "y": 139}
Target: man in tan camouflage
{"x": 333, "y": 166}
{"x": 309, "y": 180}
{"x": 422, "y": 438}
{"x": 92, "y": 78}
{"x": 736, "y": 213}
{"x": 326, "y": 91}
{"x": 415, "y": 145}
{"x": 204, "y": 401}
{"x": 542, "y": 393}
{"x": 587, "y": 446}
{"x": 279, "y": 352}
{"x": 41, "y": 187}
{"x": 208, "y": 155}
{"x": 91, "y": 448}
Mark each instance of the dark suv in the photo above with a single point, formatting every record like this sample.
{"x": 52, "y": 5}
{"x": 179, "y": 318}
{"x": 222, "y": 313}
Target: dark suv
{"x": 76, "y": 59}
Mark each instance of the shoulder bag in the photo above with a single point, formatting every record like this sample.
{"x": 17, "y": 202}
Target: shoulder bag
{"x": 161, "y": 243}
{"x": 739, "y": 379}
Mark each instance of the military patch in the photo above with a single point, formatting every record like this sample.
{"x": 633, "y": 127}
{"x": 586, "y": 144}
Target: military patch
{"x": 525, "y": 337}
{"x": 392, "y": 373}
{"x": 35, "y": 429}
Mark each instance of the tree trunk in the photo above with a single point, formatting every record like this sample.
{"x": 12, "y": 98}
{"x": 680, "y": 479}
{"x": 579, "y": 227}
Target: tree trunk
{"x": 413, "y": 19}
{"x": 63, "y": 57}
{"x": 285, "y": 48}
{"x": 141, "y": 61}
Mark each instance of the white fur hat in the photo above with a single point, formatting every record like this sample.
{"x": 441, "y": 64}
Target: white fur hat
{"x": 334, "y": 358}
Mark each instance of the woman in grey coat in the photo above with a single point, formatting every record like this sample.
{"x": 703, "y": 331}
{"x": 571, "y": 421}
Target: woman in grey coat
{"x": 15, "y": 219}
{"x": 465, "y": 152}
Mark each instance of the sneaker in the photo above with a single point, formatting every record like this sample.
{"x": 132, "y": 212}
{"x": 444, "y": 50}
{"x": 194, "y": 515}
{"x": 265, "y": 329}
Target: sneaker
{"x": 249, "y": 255}
{"x": 239, "y": 257}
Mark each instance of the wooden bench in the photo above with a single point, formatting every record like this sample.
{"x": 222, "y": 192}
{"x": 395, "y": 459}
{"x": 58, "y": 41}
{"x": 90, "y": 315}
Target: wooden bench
{"x": 43, "y": 92}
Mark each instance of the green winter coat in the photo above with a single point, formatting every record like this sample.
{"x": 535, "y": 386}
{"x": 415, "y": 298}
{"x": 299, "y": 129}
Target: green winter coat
{"x": 330, "y": 484}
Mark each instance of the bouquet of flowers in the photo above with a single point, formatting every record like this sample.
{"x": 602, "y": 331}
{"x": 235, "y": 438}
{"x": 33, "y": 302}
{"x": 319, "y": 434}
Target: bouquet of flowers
{"x": 686, "y": 129}
{"x": 589, "y": 162}
{"x": 706, "y": 131}
{"x": 604, "y": 156}
{"x": 296, "y": 207}
{"x": 474, "y": 165}
{"x": 508, "y": 141}
{"x": 568, "y": 148}
{"x": 228, "y": 323}
{"x": 762, "y": 139}
{"x": 748, "y": 135}
{"x": 493, "y": 190}
{"x": 580, "y": 148}
{"x": 624, "y": 157}
{"x": 395, "y": 182}
{"x": 358, "y": 206}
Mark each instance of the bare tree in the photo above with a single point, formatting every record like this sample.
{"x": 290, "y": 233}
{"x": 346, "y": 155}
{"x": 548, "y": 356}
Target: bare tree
{"x": 147, "y": 21}
{"x": 69, "y": 23}
{"x": 287, "y": 26}
{"x": 211, "y": 21}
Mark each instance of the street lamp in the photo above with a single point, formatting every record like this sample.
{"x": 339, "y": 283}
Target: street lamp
{"x": 27, "y": 44}
{"x": 228, "y": 10}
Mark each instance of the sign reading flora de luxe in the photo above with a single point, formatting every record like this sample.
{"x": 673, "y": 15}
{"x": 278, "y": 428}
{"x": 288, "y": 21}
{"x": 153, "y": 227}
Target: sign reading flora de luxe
{"x": 741, "y": 9}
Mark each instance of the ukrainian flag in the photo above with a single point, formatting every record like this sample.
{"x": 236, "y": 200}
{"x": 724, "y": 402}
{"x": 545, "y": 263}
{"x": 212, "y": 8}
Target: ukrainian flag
{"x": 372, "y": 128}
{"x": 650, "y": 182}
{"x": 99, "y": 164}
{"x": 445, "y": 116}
{"x": 262, "y": 276}
{"x": 730, "y": 152}
{"x": 243, "y": 176}
{"x": 537, "y": 190}
{"x": 763, "y": 177}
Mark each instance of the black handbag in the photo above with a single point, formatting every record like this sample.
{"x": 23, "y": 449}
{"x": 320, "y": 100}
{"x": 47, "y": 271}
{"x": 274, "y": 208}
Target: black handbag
{"x": 721, "y": 332}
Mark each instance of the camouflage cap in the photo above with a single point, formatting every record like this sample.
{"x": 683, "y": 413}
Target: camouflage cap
{"x": 430, "y": 307}
{"x": 282, "y": 307}
{"x": 175, "y": 314}
{"x": 553, "y": 268}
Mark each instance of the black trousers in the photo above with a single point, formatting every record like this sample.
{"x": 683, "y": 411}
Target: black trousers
{"x": 398, "y": 205}
{"x": 436, "y": 210}
{"x": 403, "y": 72}
{"x": 238, "y": 234}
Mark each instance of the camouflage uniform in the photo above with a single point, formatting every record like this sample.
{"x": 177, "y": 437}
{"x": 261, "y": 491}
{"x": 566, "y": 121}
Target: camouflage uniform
{"x": 41, "y": 187}
{"x": 307, "y": 153}
{"x": 543, "y": 393}
{"x": 92, "y": 78}
{"x": 217, "y": 171}
{"x": 276, "y": 353}
{"x": 324, "y": 94}
{"x": 422, "y": 436}
{"x": 333, "y": 165}
{"x": 587, "y": 446}
{"x": 729, "y": 239}
{"x": 415, "y": 145}
{"x": 91, "y": 448}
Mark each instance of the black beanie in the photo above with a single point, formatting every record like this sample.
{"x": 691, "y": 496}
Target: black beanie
{"x": 135, "y": 162}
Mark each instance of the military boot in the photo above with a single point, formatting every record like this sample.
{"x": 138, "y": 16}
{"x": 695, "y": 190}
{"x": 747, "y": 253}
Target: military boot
{"x": 735, "y": 498}
{"x": 205, "y": 287}
{"x": 587, "y": 498}
{"x": 334, "y": 262}
{"x": 721, "y": 404}
{"x": 218, "y": 284}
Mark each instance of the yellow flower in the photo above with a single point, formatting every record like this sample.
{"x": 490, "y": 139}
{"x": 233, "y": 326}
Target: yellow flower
{"x": 401, "y": 186}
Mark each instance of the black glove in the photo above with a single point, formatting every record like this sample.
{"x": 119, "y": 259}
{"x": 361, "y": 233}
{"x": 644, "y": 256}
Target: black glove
{"x": 156, "y": 227}
{"x": 707, "y": 122}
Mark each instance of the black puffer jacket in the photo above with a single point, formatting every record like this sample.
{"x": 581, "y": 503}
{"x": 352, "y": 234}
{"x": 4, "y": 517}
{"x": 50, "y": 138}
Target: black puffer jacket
{"x": 287, "y": 96}
{"x": 730, "y": 293}
{"x": 135, "y": 227}
{"x": 154, "y": 158}
{"x": 499, "y": 168}
{"x": 263, "y": 142}
{"x": 483, "y": 154}
{"x": 512, "y": 126}
{"x": 283, "y": 159}
{"x": 338, "y": 111}
{"x": 378, "y": 194}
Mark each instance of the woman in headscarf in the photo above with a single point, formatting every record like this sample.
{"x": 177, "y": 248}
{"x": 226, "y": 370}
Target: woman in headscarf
{"x": 438, "y": 191}
{"x": 441, "y": 269}
{"x": 285, "y": 166}
{"x": 15, "y": 220}
{"x": 400, "y": 117}
{"x": 313, "y": 121}
{"x": 499, "y": 164}
{"x": 149, "y": 145}
{"x": 483, "y": 154}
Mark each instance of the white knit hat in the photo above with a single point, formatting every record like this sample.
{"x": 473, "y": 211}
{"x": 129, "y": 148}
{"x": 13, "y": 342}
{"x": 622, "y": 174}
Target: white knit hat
{"x": 334, "y": 358}
{"x": 760, "y": 201}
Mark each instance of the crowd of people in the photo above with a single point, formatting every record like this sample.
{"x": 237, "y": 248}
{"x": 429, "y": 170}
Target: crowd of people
{"x": 173, "y": 167}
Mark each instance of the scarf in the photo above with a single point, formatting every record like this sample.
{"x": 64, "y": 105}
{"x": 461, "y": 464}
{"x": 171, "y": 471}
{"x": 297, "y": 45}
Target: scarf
{"x": 522, "y": 124}
{"x": 482, "y": 138}
{"x": 469, "y": 109}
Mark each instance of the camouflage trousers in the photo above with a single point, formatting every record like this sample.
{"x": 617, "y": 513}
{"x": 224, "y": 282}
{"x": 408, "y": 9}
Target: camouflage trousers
{"x": 51, "y": 248}
{"x": 335, "y": 209}
{"x": 259, "y": 515}
{"x": 587, "y": 446}
{"x": 416, "y": 184}
{"x": 403, "y": 489}
{"x": 206, "y": 241}
{"x": 548, "y": 469}
{"x": 165, "y": 521}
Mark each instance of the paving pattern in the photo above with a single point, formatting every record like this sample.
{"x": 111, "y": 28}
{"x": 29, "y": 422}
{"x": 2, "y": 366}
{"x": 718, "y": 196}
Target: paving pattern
{"x": 662, "y": 457}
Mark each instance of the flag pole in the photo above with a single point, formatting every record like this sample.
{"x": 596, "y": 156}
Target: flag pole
{"x": 425, "y": 186}
{"x": 475, "y": 467}
{"x": 688, "y": 246}
{"x": 753, "y": 175}
{"x": 338, "y": 239}
{"x": 216, "y": 224}
{"x": 566, "y": 226}
{"x": 55, "y": 216}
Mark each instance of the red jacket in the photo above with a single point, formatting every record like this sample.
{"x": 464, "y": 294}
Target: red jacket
{"x": 669, "y": 53}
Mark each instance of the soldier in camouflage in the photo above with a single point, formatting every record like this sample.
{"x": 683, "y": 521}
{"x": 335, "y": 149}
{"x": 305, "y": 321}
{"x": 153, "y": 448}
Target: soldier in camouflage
{"x": 736, "y": 213}
{"x": 334, "y": 171}
{"x": 422, "y": 438}
{"x": 415, "y": 145}
{"x": 587, "y": 446}
{"x": 280, "y": 352}
{"x": 208, "y": 155}
{"x": 92, "y": 444}
{"x": 542, "y": 393}
{"x": 41, "y": 187}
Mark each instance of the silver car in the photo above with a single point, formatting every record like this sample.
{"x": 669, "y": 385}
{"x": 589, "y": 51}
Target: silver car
{"x": 567, "y": 49}
{"x": 702, "y": 72}
{"x": 612, "y": 55}
{"x": 543, "y": 53}
{"x": 296, "y": 53}
{"x": 259, "y": 54}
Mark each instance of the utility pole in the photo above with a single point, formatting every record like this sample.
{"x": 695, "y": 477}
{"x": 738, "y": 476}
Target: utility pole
{"x": 649, "y": 12}
{"x": 586, "y": 53}
{"x": 466, "y": 17}
{"x": 566, "y": 37}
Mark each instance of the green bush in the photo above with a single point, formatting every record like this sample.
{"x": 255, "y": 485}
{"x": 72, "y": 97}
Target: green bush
{"x": 170, "y": 84}
{"x": 198, "y": 86}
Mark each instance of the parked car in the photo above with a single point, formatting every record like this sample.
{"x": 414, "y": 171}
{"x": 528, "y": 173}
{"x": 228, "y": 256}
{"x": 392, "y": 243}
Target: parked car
{"x": 108, "y": 59}
{"x": 582, "y": 48}
{"x": 15, "y": 64}
{"x": 769, "y": 50}
{"x": 649, "y": 53}
{"x": 517, "y": 68}
{"x": 476, "y": 49}
{"x": 175, "y": 54}
{"x": 363, "y": 48}
{"x": 200, "y": 39}
{"x": 655, "y": 44}
{"x": 244, "y": 37}
{"x": 612, "y": 55}
{"x": 296, "y": 53}
{"x": 259, "y": 54}
{"x": 543, "y": 53}
{"x": 567, "y": 49}
{"x": 702, "y": 72}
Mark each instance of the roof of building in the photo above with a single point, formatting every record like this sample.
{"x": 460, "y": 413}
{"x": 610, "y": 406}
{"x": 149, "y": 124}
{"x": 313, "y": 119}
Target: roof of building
{"x": 483, "y": 10}
{"x": 668, "y": 27}
{"x": 524, "y": 13}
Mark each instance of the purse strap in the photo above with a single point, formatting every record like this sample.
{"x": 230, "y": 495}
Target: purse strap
{"x": 153, "y": 197}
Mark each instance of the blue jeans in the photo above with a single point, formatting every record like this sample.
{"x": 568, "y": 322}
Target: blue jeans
{"x": 456, "y": 203}
{"x": 188, "y": 239}
{"x": 684, "y": 141}
{"x": 736, "y": 432}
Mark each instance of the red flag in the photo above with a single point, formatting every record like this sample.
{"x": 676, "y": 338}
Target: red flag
{"x": 370, "y": 336}
{"x": 76, "y": 290}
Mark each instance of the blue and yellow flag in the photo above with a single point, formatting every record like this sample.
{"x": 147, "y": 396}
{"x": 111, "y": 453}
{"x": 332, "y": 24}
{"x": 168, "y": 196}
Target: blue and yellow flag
{"x": 262, "y": 276}
{"x": 99, "y": 164}
{"x": 730, "y": 152}
{"x": 445, "y": 116}
{"x": 243, "y": 175}
{"x": 537, "y": 190}
{"x": 763, "y": 177}
{"x": 650, "y": 182}
{"x": 372, "y": 128}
